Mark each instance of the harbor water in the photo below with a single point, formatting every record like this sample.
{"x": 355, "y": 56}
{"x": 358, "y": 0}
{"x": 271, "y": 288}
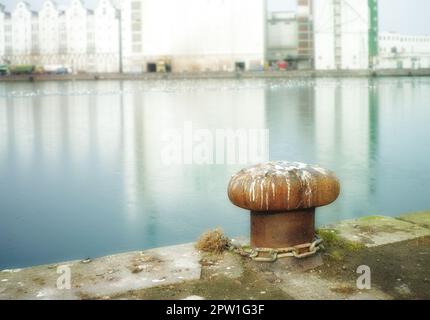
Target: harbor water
{"x": 82, "y": 175}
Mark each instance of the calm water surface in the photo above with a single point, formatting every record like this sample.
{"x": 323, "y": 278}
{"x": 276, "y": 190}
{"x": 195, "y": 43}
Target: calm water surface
{"x": 81, "y": 176}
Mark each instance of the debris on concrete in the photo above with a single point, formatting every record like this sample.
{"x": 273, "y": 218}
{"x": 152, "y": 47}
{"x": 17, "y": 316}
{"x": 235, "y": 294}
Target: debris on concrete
{"x": 217, "y": 282}
{"x": 194, "y": 298}
{"x": 403, "y": 290}
{"x": 213, "y": 241}
{"x": 227, "y": 265}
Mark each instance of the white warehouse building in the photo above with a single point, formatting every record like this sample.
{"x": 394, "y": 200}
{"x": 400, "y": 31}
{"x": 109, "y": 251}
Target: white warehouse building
{"x": 76, "y": 37}
{"x": 290, "y": 36}
{"x": 2, "y": 30}
{"x": 106, "y": 37}
{"x": 204, "y": 35}
{"x": 193, "y": 35}
{"x": 282, "y": 35}
{"x": 341, "y": 34}
{"x": 77, "y": 20}
{"x": 49, "y": 26}
{"x": 398, "y": 51}
{"x": 23, "y": 34}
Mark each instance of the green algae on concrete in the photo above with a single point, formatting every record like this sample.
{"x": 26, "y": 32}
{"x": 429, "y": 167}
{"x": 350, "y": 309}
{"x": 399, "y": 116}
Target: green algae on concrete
{"x": 378, "y": 230}
{"x": 332, "y": 239}
{"x": 419, "y": 218}
{"x": 335, "y": 246}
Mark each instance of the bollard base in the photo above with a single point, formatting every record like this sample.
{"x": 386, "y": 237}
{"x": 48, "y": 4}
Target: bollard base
{"x": 282, "y": 229}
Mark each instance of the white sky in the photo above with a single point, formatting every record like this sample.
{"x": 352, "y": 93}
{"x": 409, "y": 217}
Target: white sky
{"x": 404, "y": 16}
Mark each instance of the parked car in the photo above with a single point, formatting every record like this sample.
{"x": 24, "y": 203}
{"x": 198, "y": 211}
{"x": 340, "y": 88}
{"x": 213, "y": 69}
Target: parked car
{"x": 164, "y": 66}
{"x": 38, "y": 70}
{"x": 4, "y": 69}
{"x": 56, "y": 69}
{"x": 282, "y": 65}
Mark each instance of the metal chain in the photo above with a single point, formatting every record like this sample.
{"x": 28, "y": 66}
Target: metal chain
{"x": 299, "y": 252}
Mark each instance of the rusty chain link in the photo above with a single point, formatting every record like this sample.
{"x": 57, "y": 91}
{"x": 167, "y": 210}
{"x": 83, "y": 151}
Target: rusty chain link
{"x": 299, "y": 252}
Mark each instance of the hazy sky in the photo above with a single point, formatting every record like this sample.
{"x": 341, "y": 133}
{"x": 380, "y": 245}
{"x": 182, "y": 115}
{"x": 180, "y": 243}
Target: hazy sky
{"x": 406, "y": 16}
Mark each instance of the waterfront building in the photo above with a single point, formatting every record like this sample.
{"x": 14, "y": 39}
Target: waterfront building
{"x": 49, "y": 28}
{"x": 76, "y": 16}
{"x": 7, "y": 36}
{"x": 92, "y": 37}
{"x": 204, "y": 35}
{"x": 341, "y": 34}
{"x": 76, "y": 22}
{"x": 106, "y": 36}
{"x": 282, "y": 36}
{"x": 193, "y": 35}
{"x": 23, "y": 21}
{"x": 399, "y": 51}
{"x": 75, "y": 37}
{"x": 305, "y": 34}
{"x": 2, "y": 32}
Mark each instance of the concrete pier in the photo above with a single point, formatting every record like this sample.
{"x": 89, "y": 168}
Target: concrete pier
{"x": 289, "y": 74}
{"x": 396, "y": 250}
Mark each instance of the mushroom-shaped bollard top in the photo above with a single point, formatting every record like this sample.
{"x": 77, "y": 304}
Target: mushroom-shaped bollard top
{"x": 283, "y": 186}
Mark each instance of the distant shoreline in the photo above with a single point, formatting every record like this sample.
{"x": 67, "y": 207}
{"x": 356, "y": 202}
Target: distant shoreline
{"x": 290, "y": 74}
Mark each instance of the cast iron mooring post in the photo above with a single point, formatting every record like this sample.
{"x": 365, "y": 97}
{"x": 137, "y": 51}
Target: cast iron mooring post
{"x": 282, "y": 197}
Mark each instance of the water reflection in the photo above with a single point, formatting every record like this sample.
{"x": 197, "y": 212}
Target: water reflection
{"x": 82, "y": 175}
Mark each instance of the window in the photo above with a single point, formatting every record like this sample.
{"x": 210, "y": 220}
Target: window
{"x": 136, "y": 5}
{"x": 136, "y": 27}
{"x": 137, "y": 48}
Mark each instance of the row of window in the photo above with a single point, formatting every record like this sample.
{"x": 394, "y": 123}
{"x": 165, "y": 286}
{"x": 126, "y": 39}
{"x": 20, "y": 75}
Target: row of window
{"x": 405, "y": 39}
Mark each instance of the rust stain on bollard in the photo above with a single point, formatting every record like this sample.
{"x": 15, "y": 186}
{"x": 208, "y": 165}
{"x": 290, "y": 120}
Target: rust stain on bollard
{"x": 282, "y": 198}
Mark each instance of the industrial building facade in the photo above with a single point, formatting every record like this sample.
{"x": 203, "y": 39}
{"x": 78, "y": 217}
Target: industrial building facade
{"x": 3, "y": 18}
{"x": 135, "y": 36}
{"x": 193, "y": 35}
{"x": 282, "y": 36}
{"x": 326, "y": 34}
{"x": 398, "y": 51}
{"x": 290, "y": 36}
{"x": 341, "y": 34}
{"x": 189, "y": 35}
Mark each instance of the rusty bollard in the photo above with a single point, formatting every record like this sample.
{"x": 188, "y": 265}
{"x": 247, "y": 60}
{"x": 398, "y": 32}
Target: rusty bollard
{"x": 282, "y": 198}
